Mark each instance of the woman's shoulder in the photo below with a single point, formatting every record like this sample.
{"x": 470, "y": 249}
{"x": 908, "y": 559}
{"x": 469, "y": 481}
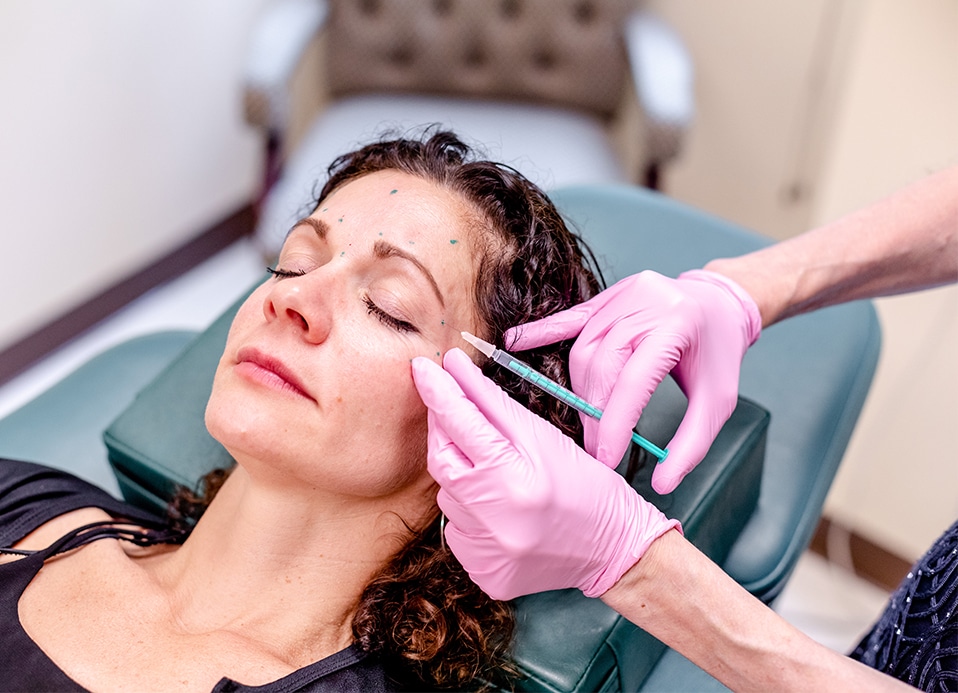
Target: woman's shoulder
{"x": 34, "y": 497}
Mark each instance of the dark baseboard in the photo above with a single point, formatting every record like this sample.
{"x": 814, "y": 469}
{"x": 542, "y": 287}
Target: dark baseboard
{"x": 870, "y": 561}
{"x": 27, "y": 351}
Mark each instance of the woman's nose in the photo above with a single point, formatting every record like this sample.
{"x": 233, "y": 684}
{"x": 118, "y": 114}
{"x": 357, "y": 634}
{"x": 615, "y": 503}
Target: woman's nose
{"x": 303, "y": 307}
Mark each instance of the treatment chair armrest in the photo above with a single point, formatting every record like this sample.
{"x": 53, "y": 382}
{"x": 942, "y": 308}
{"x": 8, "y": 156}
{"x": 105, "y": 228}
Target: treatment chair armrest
{"x": 277, "y": 44}
{"x": 664, "y": 75}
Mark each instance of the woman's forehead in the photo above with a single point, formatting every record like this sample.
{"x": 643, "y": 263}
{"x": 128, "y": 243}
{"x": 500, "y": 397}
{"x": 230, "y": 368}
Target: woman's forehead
{"x": 397, "y": 214}
{"x": 424, "y": 209}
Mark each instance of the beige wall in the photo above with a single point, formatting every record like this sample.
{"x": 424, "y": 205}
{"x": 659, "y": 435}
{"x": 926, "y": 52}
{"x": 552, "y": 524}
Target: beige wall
{"x": 808, "y": 110}
{"x": 898, "y": 121}
{"x": 121, "y": 135}
{"x": 766, "y": 78}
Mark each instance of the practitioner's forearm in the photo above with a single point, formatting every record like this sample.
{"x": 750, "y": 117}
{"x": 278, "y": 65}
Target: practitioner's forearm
{"x": 905, "y": 242}
{"x": 678, "y": 595}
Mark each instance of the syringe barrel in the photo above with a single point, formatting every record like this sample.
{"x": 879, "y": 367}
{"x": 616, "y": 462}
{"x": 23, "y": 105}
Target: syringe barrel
{"x": 527, "y": 372}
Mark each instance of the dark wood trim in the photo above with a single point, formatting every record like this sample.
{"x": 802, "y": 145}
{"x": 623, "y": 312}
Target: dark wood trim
{"x": 870, "y": 561}
{"x": 22, "y": 354}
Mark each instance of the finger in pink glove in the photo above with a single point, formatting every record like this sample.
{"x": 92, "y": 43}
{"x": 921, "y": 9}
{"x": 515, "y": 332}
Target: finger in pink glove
{"x": 630, "y": 336}
{"x": 528, "y": 509}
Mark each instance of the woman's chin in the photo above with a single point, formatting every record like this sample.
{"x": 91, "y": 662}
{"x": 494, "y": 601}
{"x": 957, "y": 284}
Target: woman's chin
{"x": 241, "y": 431}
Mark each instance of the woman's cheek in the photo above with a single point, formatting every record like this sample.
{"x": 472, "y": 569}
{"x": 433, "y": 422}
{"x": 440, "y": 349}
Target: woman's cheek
{"x": 412, "y": 413}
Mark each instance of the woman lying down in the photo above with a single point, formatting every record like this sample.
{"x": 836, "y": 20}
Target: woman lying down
{"x": 316, "y": 562}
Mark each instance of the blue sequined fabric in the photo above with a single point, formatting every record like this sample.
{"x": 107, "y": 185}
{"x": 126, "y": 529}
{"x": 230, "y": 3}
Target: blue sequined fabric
{"x": 916, "y": 639}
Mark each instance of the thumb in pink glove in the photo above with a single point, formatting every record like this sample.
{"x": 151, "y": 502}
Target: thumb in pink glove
{"x": 528, "y": 509}
{"x": 630, "y": 336}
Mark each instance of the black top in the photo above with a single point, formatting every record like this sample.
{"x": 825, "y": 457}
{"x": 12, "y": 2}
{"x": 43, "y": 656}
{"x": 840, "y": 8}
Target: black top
{"x": 31, "y": 495}
{"x": 916, "y": 638}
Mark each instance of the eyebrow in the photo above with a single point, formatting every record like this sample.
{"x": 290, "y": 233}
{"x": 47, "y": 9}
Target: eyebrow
{"x": 381, "y": 250}
{"x": 384, "y": 250}
{"x": 319, "y": 226}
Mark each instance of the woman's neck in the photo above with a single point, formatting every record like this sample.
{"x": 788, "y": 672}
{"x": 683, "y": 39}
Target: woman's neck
{"x": 283, "y": 567}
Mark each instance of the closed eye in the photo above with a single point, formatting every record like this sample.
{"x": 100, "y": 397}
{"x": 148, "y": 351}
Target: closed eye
{"x": 285, "y": 274}
{"x": 387, "y": 319}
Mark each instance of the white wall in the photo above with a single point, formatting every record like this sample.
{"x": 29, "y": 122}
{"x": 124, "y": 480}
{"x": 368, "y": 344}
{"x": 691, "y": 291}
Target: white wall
{"x": 121, "y": 136}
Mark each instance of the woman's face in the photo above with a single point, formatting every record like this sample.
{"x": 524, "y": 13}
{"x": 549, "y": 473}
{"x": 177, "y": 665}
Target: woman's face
{"x": 315, "y": 381}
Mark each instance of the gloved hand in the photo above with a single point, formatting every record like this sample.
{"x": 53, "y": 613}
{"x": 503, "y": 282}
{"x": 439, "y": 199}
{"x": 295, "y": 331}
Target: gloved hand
{"x": 630, "y": 336}
{"x": 528, "y": 509}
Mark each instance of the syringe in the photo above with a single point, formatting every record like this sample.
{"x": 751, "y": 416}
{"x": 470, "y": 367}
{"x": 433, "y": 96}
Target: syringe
{"x": 529, "y": 374}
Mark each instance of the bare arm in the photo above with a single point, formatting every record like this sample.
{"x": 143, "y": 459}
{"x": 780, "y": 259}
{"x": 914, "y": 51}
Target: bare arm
{"x": 678, "y": 595}
{"x": 905, "y": 242}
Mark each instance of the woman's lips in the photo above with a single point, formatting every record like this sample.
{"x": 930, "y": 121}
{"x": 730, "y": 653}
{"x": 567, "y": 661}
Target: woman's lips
{"x": 270, "y": 371}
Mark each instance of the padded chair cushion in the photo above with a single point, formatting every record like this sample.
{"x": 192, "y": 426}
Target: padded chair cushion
{"x": 521, "y": 135}
{"x": 63, "y": 426}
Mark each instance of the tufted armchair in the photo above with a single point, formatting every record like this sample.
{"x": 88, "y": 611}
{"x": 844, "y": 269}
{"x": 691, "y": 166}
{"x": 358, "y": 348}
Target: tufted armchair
{"x": 537, "y": 84}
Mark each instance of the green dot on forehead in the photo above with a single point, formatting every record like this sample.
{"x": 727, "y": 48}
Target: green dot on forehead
{"x": 393, "y": 191}
{"x": 453, "y": 241}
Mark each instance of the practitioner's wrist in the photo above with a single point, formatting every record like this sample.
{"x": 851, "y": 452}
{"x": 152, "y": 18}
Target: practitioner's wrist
{"x": 768, "y": 285}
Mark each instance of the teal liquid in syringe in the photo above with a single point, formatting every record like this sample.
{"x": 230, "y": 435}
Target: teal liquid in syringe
{"x": 529, "y": 374}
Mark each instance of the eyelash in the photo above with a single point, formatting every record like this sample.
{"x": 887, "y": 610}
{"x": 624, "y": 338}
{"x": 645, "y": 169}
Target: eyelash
{"x": 386, "y": 318}
{"x": 285, "y": 274}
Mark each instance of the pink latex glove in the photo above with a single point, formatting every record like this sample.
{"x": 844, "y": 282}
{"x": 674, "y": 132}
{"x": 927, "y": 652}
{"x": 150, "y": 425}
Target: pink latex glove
{"x": 528, "y": 509}
{"x": 630, "y": 336}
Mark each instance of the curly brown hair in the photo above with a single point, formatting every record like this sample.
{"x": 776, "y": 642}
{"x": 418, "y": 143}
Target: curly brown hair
{"x": 429, "y": 623}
